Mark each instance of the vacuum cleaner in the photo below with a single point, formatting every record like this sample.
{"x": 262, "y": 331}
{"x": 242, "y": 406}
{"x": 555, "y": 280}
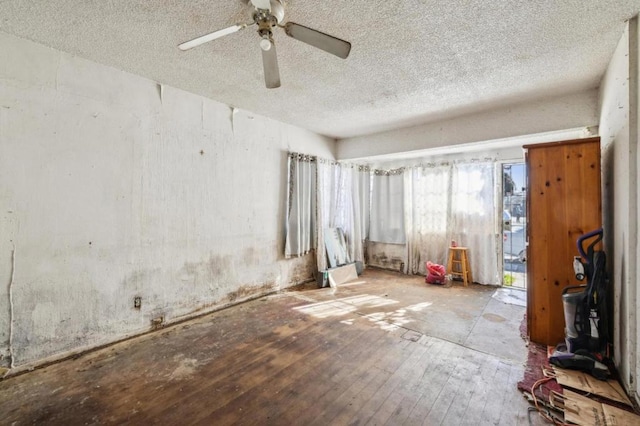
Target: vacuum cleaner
{"x": 586, "y": 311}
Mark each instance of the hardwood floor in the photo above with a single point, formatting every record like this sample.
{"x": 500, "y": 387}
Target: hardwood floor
{"x": 385, "y": 350}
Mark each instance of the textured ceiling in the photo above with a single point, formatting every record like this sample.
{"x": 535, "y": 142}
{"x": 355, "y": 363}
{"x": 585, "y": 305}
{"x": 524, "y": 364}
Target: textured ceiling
{"x": 412, "y": 61}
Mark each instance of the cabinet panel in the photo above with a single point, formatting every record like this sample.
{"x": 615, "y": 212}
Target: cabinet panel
{"x": 563, "y": 202}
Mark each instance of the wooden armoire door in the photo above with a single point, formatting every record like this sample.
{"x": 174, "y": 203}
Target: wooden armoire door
{"x": 563, "y": 202}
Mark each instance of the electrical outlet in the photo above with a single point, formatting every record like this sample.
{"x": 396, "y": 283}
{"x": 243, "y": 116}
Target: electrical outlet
{"x": 137, "y": 302}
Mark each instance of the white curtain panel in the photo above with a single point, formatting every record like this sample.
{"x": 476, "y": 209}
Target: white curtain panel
{"x": 343, "y": 202}
{"x": 352, "y": 206}
{"x": 427, "y": 201}
{"x": 326, "y": 209}
{"x": 472, "y": 217}
{"x": 301, "y": 212}
{"x": 364, "y": 191}
{"x": 387, "y": 207}
{"x": 362, "y": 186}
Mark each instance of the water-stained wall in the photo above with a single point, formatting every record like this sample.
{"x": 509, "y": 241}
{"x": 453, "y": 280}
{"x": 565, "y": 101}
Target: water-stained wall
{"x": 619, "y": 131}
{"x": 386, "y": 256}
{"x": 114, "y": 187}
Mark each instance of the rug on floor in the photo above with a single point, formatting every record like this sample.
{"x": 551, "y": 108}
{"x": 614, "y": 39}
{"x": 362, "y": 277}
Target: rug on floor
{"x": 536, "y": 359}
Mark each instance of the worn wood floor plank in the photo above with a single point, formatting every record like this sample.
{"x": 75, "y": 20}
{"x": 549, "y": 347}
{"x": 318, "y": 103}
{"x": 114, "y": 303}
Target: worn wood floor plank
{"x": 246, "y": 379}
{"x": 467, "y": 382}
{"x": 413, "y": 389}
{"x": 510, "y": 413}
{"x": 271, "y": 398}
{"x": 392, "y": 406}
{"x": 380, "y": 395}
{"x": 459, "y": 379}
{"x": 433, "y": 381}
{"x": 322, "y": 378}
{"x": 356, "y": 385}
{"x": 355, "y": 355}
{"x": 332, "y": 397}
{"x": 482, "y": 391}
{"x": 181, "y": 399}
{"x": 493, "y": 408}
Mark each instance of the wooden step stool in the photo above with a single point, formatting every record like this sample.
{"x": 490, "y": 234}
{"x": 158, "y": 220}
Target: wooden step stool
{"x": 458, "y": 265}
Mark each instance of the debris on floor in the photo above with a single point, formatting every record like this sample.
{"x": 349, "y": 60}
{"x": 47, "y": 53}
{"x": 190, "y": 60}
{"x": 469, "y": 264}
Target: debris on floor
{"x": 568, "y": 396}
{"x": 609, "y": 389}
{"x": 582, "y": 410}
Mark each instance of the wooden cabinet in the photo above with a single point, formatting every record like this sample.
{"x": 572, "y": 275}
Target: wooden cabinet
{"x": 563, "y": 202}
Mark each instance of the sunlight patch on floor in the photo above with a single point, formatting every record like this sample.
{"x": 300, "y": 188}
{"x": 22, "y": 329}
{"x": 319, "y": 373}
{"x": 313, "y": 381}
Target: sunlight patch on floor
{"x": 389, "y": 321}
{"x": 419, "y": 307}
{"x": 346, "y": 305}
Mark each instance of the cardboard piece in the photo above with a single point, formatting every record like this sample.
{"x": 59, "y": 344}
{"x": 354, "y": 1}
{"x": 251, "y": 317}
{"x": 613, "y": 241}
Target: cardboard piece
{"x": 581, "y": 410}
{"x": 342, "y": 274}
{"x": 579, "y": 380}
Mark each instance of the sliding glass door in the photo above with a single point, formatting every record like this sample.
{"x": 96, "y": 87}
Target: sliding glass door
{"x": 514, "y": 221}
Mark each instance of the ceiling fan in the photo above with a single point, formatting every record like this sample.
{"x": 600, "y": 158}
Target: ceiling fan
{"x": 268, "y": 14}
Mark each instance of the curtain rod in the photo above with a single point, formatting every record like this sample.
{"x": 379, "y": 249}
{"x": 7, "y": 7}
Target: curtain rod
{"x": 313, "y": 158}
{"x": 432, "y": 165}
{"x": 386, "y": 172}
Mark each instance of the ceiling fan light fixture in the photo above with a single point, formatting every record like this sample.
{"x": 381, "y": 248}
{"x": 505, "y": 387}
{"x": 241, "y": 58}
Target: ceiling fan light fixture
{"x": 265, "y": 44}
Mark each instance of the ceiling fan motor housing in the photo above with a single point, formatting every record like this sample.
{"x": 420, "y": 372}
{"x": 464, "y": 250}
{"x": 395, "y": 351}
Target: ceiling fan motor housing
{"x": 270, "y": 18}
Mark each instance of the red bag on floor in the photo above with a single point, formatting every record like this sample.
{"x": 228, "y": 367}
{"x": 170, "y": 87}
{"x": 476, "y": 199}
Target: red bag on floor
{"x": 435, "y": 273}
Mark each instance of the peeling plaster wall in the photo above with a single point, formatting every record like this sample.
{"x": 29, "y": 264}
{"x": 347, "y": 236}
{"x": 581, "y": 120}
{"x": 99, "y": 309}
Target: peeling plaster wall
{"x": 386, "y": 256}
{"x": 549, "y": 115}
{"x": 619, "y": 135}
{"x": 112, "y": 186}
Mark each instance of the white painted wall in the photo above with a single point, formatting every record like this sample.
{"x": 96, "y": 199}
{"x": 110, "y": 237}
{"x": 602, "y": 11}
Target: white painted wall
{"x": 619, "y": 133}
{"x": 549, "y": 115}
{"x": 112, "y": 186}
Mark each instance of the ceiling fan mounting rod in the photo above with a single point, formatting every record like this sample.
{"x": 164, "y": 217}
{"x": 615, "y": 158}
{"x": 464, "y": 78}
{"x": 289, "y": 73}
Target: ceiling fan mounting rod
{"x": 273, "y": 17}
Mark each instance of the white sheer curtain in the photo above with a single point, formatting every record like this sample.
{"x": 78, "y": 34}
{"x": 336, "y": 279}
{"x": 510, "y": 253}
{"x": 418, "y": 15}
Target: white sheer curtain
{"x": 363, "y": 177}
{"x": 445, "y": 202}
{"x": 301, "y": 211}
{"x": 472, "y": 217}
{"x": 326, "y": 209}
{"x": 427, "y": 215}
{"x": 343, "y": 202}
{"x": 352, "y": 206}
{"x": 387, "y": 207}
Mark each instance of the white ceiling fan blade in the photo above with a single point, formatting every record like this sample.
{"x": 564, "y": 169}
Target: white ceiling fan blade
{"x": 318, "y": 39}
{"x": 270, "y": 65}
{"x": 211, "y": 36}
{"x": 262, "y": 4}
